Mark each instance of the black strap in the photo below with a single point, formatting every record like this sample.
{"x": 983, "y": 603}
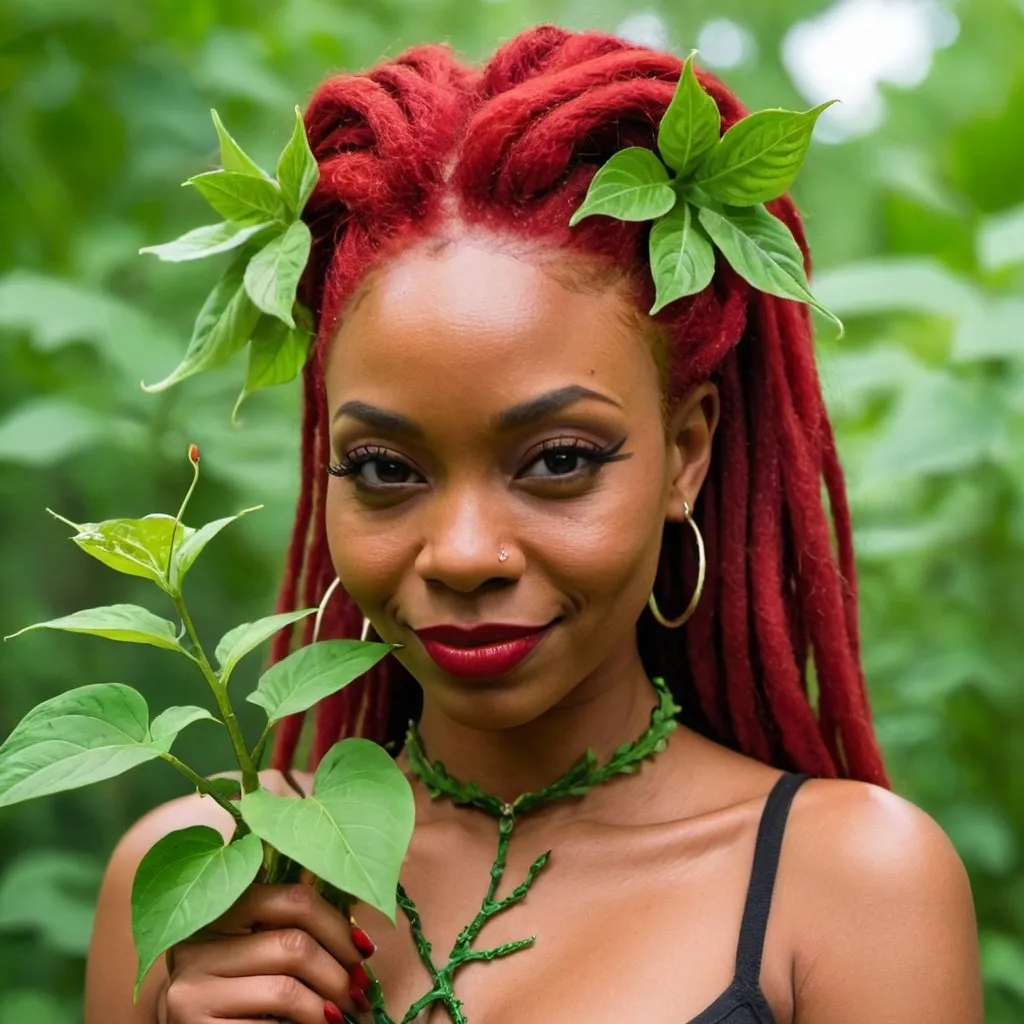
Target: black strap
{"x": 762, "y": 877}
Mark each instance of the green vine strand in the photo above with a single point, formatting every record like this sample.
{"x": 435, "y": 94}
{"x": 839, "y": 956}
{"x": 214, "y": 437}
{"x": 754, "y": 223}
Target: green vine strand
{"x": 581, "y": 777}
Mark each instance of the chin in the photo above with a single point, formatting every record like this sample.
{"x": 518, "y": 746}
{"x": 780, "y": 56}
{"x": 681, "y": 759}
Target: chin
{"x": 491, "y": 704}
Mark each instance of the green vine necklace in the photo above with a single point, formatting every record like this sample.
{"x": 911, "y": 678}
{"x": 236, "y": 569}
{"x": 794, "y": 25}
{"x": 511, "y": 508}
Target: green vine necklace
{"x": 580, "y": 778}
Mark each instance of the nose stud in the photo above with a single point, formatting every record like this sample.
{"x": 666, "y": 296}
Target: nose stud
{"x": 502, "y": 555}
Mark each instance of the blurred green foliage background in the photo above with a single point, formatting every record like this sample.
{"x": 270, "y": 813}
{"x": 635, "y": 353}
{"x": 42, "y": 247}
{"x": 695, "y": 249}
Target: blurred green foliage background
{"x": 915, "y": 207}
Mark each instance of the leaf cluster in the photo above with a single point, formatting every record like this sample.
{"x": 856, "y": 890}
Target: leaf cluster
{"x": 352, "y": 832}
{"x": 254, "y": 302}
{"x": 707, "y": 191}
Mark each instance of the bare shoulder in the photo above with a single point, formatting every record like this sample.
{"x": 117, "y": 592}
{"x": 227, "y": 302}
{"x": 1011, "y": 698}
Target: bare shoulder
{"x": 111, "y": 965}
{"x": 881, "y": 912}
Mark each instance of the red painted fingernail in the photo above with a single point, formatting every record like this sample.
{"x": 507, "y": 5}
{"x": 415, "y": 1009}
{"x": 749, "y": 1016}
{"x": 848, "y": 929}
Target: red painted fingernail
{"x": 363, "y": 942}
{"x": 358, "y": 996}
{"x": 360, "y": 977}
{"x": 332, "y": 1014}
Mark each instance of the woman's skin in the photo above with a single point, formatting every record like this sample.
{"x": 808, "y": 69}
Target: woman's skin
{"x": 434, "y": 385}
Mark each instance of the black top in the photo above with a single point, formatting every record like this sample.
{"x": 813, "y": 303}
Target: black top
{"x": 743, "y": 1002}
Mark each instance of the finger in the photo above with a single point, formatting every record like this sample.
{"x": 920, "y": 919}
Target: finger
{"x": 281, "y": 951}
{"x": 279, "y": 997}
{"x": 291, "y": 906}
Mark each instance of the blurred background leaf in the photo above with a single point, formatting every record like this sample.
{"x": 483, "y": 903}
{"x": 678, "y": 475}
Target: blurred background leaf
{"x": 913, "y": 198}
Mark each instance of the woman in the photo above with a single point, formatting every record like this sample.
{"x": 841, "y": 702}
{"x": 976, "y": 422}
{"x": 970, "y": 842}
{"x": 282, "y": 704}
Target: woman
{"x": 524, "y": 480}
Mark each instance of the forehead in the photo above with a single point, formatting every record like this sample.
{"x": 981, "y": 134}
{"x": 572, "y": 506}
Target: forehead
{"x": 473, "y": 324}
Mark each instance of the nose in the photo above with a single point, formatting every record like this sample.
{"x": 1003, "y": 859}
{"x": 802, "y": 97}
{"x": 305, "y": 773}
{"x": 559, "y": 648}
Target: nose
{"x": 463, "y": 546}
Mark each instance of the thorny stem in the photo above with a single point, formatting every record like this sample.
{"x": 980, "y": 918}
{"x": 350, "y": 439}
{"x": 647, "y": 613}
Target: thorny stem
{"x": 250, "y": 777}
{"x": 206, "y": 788}
{"x": 442, "y": 990}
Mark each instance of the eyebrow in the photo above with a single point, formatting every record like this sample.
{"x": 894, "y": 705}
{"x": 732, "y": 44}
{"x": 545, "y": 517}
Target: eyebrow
{"x": 514, "y": 418}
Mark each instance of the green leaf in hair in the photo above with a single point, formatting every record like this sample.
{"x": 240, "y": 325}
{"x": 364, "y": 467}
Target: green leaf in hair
{"x": 709, "y": 193}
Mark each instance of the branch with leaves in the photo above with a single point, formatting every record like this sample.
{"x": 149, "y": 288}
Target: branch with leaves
{"x": 255, "y": 299}
{"x": 706, "y": 191}
{"x": 351, "y": 833}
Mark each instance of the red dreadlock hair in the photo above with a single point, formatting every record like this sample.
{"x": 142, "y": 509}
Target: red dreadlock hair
{"x": 422, "y": 140}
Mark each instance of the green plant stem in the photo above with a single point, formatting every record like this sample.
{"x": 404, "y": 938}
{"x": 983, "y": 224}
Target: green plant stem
{"x": 204, "y": 787}
{"x": 250, "y": 777}
{"x": 257, "y": 752}
{"x": 178, "y": 518}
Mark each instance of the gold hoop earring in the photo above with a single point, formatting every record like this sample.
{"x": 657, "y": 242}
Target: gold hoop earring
{"x": 652, "y": 602}
{"x": 328, "y": 594}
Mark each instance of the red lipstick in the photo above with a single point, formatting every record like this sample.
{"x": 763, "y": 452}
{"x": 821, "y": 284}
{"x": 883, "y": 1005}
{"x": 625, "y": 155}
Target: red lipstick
{"x": 486, "y": 650}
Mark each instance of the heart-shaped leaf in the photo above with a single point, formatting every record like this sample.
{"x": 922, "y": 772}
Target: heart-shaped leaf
{"x": 241, "y": 197}
{"x": 353, "y": 832}
{"x": 762, "y": 250}
{"x": 691, "y": 125}
{"x": 208, "y": 240}
{"x": 297, "y": 171}
{"x": 125, "y": 622}
{"x": 224, "y": 325}
{"x": 632, "y": 185}
{"x": 80, "y": 737}
{"x": 276, "y": 356}
{"x": 232, "y": 156}
{"x": 238, "y": 642}
{"x": 272, "y": 276}
{"x": 193, "y": 542}
{"x": 313, "y": 672}
{"x": 682, "y": 257}
{"x": 759, "y": 157}
{"x": 188, "y": 879}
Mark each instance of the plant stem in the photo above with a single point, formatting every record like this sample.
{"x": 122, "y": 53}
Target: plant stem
{"x": 257, "y": 752}
{"x": 250, "y": 777}
{"x": 204, "y": 787}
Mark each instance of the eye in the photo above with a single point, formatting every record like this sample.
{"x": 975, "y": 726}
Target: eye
{"x": 570, "y": 458}
{"x": 376, "y": 468}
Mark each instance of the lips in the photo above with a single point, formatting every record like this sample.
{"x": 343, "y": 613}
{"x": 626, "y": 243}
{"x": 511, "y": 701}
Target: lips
{"x": 482, "y": 651}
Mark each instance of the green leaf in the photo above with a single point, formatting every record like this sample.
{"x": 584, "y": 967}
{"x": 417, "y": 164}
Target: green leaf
{"x": 238, "y": 642}
{"x": 272, "y": 276}
{"x": 187, "y": 879}
{"x": 193, "y": 542}
{"x": 232, "y": 156}
{"x": 77, "y": 738}
{"x": 691, "y": 125}
{"x": 632, "y": 185}
{"x": 276, "y": 356}
{"x": 312, "y": 673}
{"x": 166, "y": 726}
{"x": 224, "y": 325}
{"x": 242, "y": 198}
{"x": 759, "y": 157}
{"x": 208, "y": 240}
{"x": 297, "y": 170}
{"x": 125, "y": 622}
{"x": 682, "y": 257}
{"x": 353, "y": 832}
{"x": 135, "y": 547}
{"x": 762, "y": 250}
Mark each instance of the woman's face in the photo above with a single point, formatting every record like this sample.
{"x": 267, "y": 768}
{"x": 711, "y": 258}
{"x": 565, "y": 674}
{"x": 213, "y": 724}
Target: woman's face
{"x": 507, "y": 470}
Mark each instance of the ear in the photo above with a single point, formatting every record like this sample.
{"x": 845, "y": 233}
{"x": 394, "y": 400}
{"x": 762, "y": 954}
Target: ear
{"x": 691, "y": 430}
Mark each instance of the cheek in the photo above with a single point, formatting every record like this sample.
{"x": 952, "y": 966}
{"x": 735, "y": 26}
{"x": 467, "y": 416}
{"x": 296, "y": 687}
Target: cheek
{"x": 604, "y": 551}
{"x": 367, "y": 550}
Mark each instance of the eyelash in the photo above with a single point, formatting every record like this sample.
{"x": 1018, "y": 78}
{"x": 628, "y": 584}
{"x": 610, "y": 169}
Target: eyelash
{"x": 597, "y": 457}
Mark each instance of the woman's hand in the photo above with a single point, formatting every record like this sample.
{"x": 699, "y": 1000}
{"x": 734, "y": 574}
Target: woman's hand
{"x": 281, "y": 952}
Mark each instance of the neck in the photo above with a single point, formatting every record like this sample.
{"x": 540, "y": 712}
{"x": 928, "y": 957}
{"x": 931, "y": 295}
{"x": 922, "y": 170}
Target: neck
{"x": 606, "y": 709}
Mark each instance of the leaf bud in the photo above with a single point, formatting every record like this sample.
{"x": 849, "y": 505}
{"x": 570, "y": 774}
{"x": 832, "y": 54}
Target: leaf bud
{"x": 193, "y": 454}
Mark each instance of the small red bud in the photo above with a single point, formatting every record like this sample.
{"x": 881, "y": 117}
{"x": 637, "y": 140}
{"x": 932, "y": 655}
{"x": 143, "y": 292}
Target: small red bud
{"x": 193, "y": 454}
